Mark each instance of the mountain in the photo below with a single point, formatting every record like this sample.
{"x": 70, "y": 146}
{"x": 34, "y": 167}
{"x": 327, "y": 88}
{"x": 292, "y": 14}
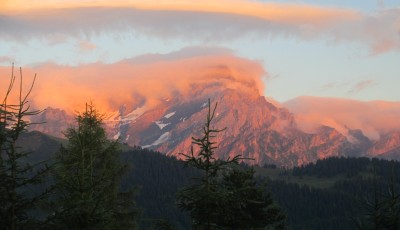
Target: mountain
{"x": 41, "y": 146}
{"x": 387, "y": 146}
{"x": 52, "y": 121}
{"x": 255, "y": 127}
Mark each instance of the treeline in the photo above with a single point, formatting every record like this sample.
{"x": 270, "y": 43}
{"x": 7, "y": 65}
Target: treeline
{"x": 313, "y": 208}
{"x": 158, "y": 178}
{"x": 365, "y": 194}
{"x": 306, "y": 207}
{"x": 348, "y": 166}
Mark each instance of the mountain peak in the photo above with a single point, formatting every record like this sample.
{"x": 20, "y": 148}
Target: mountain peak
{"x": 255, "y": 128}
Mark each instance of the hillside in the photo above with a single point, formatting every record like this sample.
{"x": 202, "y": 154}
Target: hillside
{"x": 322, "y": 195}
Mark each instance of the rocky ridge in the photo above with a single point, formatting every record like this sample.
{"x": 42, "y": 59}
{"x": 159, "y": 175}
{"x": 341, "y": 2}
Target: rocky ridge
{"x": 255, "y": 128}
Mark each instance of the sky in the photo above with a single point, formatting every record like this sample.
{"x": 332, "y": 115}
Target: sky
{"x": 340, "y": 49}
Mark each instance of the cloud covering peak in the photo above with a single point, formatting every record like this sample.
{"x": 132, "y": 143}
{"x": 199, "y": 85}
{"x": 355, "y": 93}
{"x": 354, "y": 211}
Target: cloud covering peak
{"x": 141, "y": 81}
{"x": 374, "y": 118}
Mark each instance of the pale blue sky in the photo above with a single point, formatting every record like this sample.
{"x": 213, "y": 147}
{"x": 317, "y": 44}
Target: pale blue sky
{"x": 329, "y": 62}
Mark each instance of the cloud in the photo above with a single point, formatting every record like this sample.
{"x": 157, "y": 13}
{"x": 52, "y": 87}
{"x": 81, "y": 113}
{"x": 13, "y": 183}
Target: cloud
{"x": 141, "y": 81}
{"x": 85, "y": 46}
{"x": 7, "y": 73}
{"x": 7, "y": 60}
{"x": 271, "y": 11}
{"x": 206, "y": 20}
{"x": 373, "y": 117}
{"x": 383, "y": 46}
{"x": 352, "y": 88}
{"x": 361, "y": 86}
{"x": 330, "y": 85}
{"x": 54, "y": 39}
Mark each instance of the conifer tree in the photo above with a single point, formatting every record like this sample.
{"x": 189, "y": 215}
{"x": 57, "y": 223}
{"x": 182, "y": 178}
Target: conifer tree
{"x": 18, "y": 178}
{"x": 87, "y": 180}
{"x": 201, "y": 200}
{"x": 224, "y": 197}
{"x": 392, "y": 207}
{"x": 246, "y": 204}
{"x": 383, "y": 212}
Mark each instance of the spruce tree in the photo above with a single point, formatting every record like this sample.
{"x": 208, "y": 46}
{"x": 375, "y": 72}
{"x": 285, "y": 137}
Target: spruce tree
{"x": 202, "y": 199}
{"x": 382, "y": 211}
{"x": 224, "y": 197}
{"x": 246, "y": 204}
{"x": 19, "y": 193}
{"x": 87, "y": 180}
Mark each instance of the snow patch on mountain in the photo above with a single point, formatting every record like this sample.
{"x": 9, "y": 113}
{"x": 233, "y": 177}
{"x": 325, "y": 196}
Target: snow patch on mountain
{"x": 161, "y": 125}
{"x": 134, "y": 114}
{"x": 163, "y": 138}
{"x": 125, "y": 119}
{"x": 116, "y": 136}
{"x": 170, "y": 115}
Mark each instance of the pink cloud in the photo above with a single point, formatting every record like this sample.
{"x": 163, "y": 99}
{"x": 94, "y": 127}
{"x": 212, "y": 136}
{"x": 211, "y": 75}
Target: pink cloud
{"x": 383, "y": 46}
{"x": 85, "y": 46}
{"x": 142, "y": 81}
{"x": 208, "y": 20}
{"x": 373, "y": 117}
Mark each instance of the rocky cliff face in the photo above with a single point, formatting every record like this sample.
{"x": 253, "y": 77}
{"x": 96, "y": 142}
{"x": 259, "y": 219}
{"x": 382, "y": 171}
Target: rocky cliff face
{"x": 52, "y": 121}
{"x": 255, "y": 128}
{"x": 387, "y": 146}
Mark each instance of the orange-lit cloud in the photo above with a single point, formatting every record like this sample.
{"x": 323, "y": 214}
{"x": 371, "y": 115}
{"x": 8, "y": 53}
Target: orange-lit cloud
{"x": 373, "y": 118}
{"x": 204, "y": 20}
{"x": 141, "y": 81}
{"x": 289, "y": 13}
{"x": 12, "y": 85}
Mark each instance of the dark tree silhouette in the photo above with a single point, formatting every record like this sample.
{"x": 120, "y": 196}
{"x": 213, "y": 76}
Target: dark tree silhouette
{"x": 87, "y": 180}
{"x": 215, "y": 200}
{"x": 18, "y": 177}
